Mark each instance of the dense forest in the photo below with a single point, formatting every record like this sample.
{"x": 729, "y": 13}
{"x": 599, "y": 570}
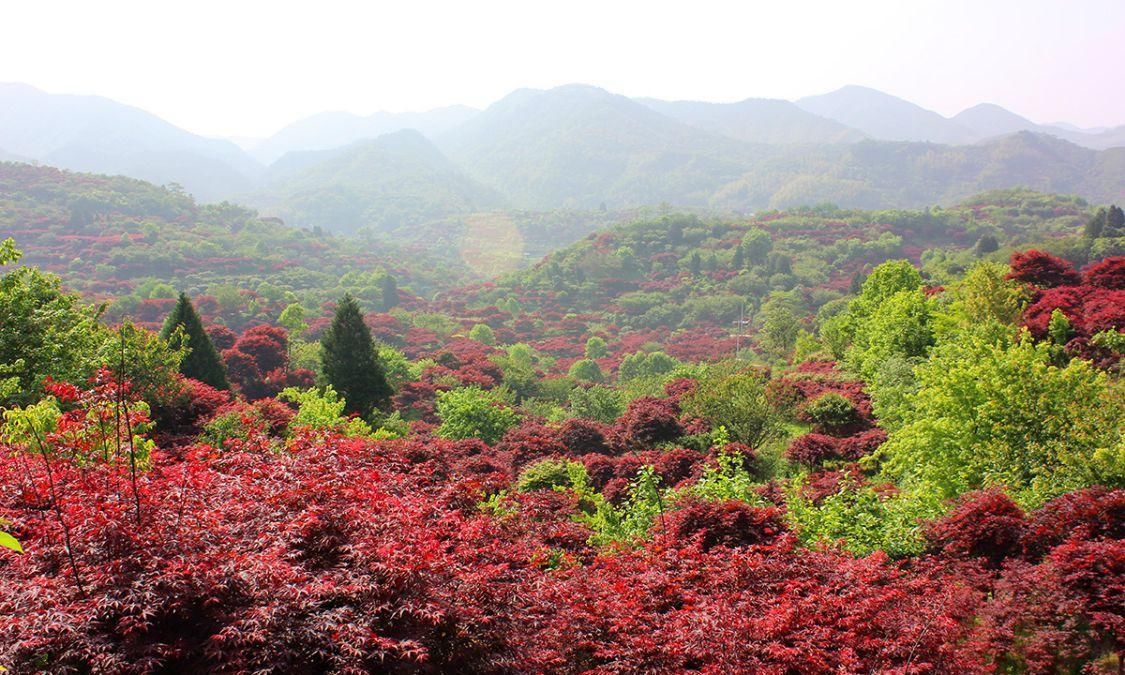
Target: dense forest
{"x": 817, "y": 439}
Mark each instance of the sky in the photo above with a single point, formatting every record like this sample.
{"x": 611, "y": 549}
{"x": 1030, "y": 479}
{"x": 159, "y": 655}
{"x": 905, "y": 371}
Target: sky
{"x": 244, "y": 68}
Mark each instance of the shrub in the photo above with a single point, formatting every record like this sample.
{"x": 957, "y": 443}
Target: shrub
{"x": 830, "y": 411}
{"x": 1042, "y": 269}
{"x": 1084, "y": 515}
{"x": 1108, "y": 274}
{"x": 985, "y": 524}
{"x": 729, "y": 523}
{"x": 649, "y": 421}
{"x": 582, "y": 436}
{"x": 812, "y": 449}
{"x": 471, "y": 412}
{"x": 551, "y": 474}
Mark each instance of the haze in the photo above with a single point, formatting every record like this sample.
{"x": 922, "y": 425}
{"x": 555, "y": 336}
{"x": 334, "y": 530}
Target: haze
{"x": 249, "y": 68}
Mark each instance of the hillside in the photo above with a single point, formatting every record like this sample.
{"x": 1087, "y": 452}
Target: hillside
{"x": 681, "y": 282}
{"x": 884, "y": 116}
{"x": 757, "y": 120}
{"x": 394, "y": 181}
{"x": 90, "y": 133}
{"x": 136, "y": 245}
{"x": 579, "y": 147}
{"x": 875, "y": 174}
{"x": 336, "y": 129}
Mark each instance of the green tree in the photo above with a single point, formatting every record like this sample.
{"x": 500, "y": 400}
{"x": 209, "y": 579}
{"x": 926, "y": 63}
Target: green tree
{"x": 483, "y": 334}
{"x": 596, "y": 348}
{"x": 388, "y": 290}
{"x": 901, "y": 326}
{"x": 756, "y": 245}
{"x": 43, "y": 332}
{"x": 738, "y": 402}
{"x": 349, "y": 361}
{"x": 1095, "y": 226}
{"x": 292, "y": 319}
{"x": 471, "y": 412}
{"x": 986, "y": 294}
{"x": 780, "y": 327}
{"x": 602, "y": 404}
{"x": 990, "y": 412}
{"x": 586, "y": 370}
{"x": 201, "y": 362}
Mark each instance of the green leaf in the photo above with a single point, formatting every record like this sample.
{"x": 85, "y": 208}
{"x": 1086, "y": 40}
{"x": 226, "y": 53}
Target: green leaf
{"x": 8, "y": 541}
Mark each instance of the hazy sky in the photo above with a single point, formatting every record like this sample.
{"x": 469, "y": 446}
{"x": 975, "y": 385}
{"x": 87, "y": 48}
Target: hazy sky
{"x": 247, "y": 68}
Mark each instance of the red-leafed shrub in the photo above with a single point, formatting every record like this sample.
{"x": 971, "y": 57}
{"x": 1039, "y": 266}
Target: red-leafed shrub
{"x": 1108, "y": 274}
{"x": 222, "y": 337}
{"x": 582, "y": 436}
{"x": 1068, "y": 300}
{"x": 1085, "y": 515}
{"x": 267, "y": 345}
{"x": 985, "y": 524}
{"x": 861, "y": 444}
{"x": 648, "y": 421}
{"x": 1064, "y": 615}
{"x": 183, "y": 417}
{"x": 676, "y": 465}
{"x": 680, "y": 387}
{"x": 275, "y": 414}
{"x": 824, "y": 483}
{"x": 812, "y": 449}
{"x": 1103, "y": 310}
{"x": 241, "y": 367}
{"x": 1042, "y": 269}
{"x": 729, "y": 523}
{"x": 528, "y": 442}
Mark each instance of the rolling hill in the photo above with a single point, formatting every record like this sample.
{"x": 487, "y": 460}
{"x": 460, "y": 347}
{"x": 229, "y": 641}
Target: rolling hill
{"x": 395, "y": 180}
{"x": 91, "y": 133}
{"x": 757, "y": 120}
{"x": 580, "y": 146}
{"x": 885, "y": 117}
{"x": 336, "y": 129}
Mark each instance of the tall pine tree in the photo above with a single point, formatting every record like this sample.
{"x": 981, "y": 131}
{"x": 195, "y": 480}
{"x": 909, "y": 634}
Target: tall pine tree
{"x": 350, "y": 363}
{"x": 202, "y": 361}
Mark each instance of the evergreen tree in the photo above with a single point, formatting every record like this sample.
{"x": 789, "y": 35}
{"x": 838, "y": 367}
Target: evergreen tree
{"x": 1095, "y": 226}
{"x": 1115, "y": 222}
{"x": 202, "y": 361}
{"x": 389, "y": 290}
{"x": 349, "y": 361}
{"x": 739, "y": 260}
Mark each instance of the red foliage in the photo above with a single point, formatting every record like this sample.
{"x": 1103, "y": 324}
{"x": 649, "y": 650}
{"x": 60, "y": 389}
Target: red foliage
{"x": 1085, "y": 515}
{"x": 1108, "y": 274}
{"x": 582, "y": 436}
{"x": 528, "y": 442}
{"x": 1068, "y": 300}
{"x": 863, "y": 443}
{"x": 812, "y": 449}
{"x": 222, "y": 337}
{"x": 648, "y": 421}
{"x": 730, "y": 523}
{"x": 985, "y": 524}
{"x": 1042, "y": 270}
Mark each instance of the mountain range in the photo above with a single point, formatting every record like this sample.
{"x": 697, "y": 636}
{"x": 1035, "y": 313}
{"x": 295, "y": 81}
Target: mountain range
{"x": 576, "y": 146}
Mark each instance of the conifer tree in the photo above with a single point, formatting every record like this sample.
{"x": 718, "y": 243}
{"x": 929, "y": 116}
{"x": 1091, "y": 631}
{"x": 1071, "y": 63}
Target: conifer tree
{"x": 202, "y": 361}
{"x": 349, "y": 361}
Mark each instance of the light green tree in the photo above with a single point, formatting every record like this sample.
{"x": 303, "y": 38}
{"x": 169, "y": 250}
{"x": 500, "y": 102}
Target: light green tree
{"x": 471, "y": 412}
{"x": 1002, "y": 413}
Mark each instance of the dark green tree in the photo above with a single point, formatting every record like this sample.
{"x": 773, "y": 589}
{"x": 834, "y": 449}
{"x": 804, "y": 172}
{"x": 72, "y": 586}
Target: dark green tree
{"x": 1115, "y": 222}
{"x": 739, "y": 260}
{"x": 202, "y": 361}
{"x": 389, "y": 290}
{"x": 349, "y": 361}
{"x": 1095, "y": 226}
